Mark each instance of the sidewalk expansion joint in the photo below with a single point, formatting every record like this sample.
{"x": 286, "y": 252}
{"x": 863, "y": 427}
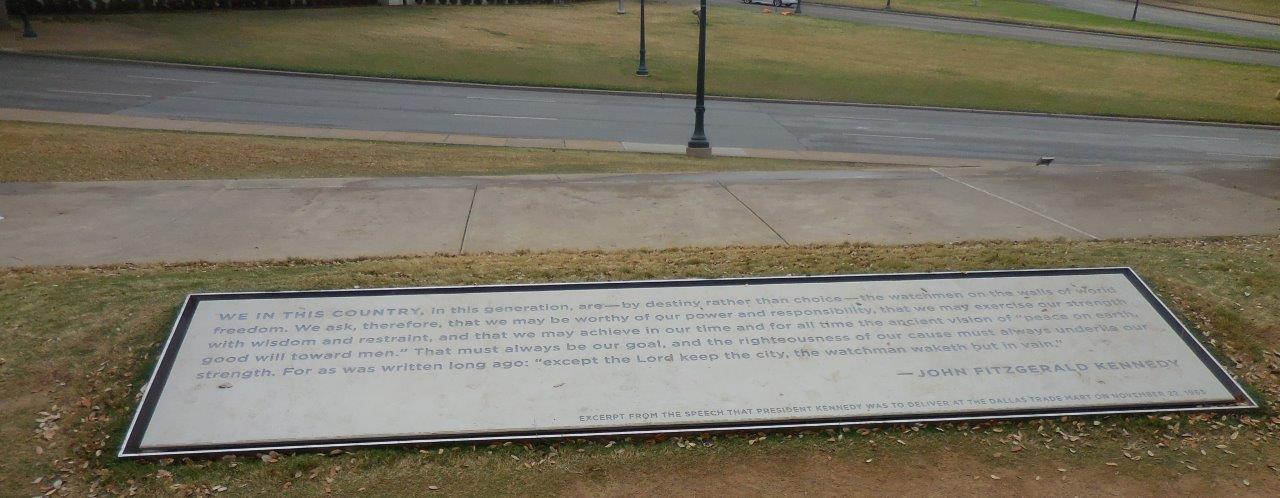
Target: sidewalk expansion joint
{"x": 475, "y": 191}
{"x": 1016, "y": 204}
{"x": 753, "y": 213}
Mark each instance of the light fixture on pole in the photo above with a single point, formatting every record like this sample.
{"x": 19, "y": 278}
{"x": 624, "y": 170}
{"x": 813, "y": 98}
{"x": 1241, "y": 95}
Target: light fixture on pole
{"x": 699, "y": 146}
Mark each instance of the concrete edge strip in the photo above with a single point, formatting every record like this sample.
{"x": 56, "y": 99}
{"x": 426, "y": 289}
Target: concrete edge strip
{"x": 633, "y": 93}
{"x": 1061, "y": 30}
{"x": 254, "y": 129}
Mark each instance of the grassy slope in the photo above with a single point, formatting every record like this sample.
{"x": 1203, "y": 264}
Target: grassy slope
{"x": 750, "y": 54}
{"x": 76, "y": 344}
{"x": 1259, "y": 7}
{"x": 1030, "y": 12}
{"x": 48, "y": 152}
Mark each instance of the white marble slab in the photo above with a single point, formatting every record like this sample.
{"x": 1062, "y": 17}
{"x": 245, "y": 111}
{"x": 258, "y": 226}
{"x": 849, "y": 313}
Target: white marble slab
{"x": 373, "y": 366}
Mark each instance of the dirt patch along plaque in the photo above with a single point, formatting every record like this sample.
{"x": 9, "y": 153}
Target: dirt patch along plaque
{"x": 257, "y": 371}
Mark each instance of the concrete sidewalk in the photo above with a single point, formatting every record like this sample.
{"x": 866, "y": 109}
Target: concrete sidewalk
{"x": 95, "y": 223}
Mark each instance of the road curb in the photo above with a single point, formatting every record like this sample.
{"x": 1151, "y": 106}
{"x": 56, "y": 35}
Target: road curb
{"x": 634, "y": 93}
{"x": 1050, "y": 28}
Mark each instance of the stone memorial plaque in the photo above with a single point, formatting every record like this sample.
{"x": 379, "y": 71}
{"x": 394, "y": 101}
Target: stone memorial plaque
{"x": 292, "y": 370}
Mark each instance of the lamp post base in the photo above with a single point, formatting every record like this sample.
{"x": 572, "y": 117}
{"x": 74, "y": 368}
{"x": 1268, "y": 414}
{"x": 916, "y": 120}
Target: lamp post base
{"x": 702, "y": 152}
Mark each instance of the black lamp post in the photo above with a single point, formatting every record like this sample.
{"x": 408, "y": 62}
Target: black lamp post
{"x": 1135, "y": 10}
{"x": 698, "y": 144}
{"x": 643, "y": 70}
{"x": 797, "y": 9}
{"x": 27, "y": 30}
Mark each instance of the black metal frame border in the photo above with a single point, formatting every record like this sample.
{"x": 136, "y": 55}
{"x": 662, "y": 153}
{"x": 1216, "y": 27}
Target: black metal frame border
{"x": 131, "y": 447}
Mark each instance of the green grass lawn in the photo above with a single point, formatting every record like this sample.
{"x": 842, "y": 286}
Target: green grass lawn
{"x": 58, "y": 153}
{"x": 750, "y": 54}
{"x": 1038, "y": 14}
{"x": 77, "y": 343}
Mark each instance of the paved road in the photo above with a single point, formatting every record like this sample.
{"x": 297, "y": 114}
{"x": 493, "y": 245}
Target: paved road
{"x": 143, "y": 90}
{"x": 1123, "y": 9}
{"x": 221, "y": 220}
{"x": 1034, "y": 34}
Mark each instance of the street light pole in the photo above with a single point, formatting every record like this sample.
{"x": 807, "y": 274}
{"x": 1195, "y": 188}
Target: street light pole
{"x": 797, "y": 9}
{"x": 27, "y": 30}
{"x": 1135, "y": 10}
{"x": 621, "y": 9}
{"x": 643, "y": 70}
{"x": 699, "y": 146}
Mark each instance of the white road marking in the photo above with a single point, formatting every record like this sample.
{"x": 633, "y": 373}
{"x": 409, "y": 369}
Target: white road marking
{"x": 505, "y": 117}
{"x": 169, "y": 79}
{"x": 1192, "y": 136}
{"x": 856, "y": 117}
{"x": 511, "y": 100}
{"x": 103, "y": 93}
{"x": 1242, "y": 155}
{"x": 887, "y": 136}
{"x": 1029, "y": 210}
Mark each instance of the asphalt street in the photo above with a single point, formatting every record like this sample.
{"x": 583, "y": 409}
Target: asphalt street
{"x": 1123, "y": 9}
{"x": 132, "y": 89}
{"x": 1035, "y": 34}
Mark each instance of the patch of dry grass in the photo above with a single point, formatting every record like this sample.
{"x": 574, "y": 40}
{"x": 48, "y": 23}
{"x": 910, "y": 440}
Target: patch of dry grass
{"x": 50, "y": 152}
{"x": 749, "y": 54}
{"x": 77, "y": 343}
